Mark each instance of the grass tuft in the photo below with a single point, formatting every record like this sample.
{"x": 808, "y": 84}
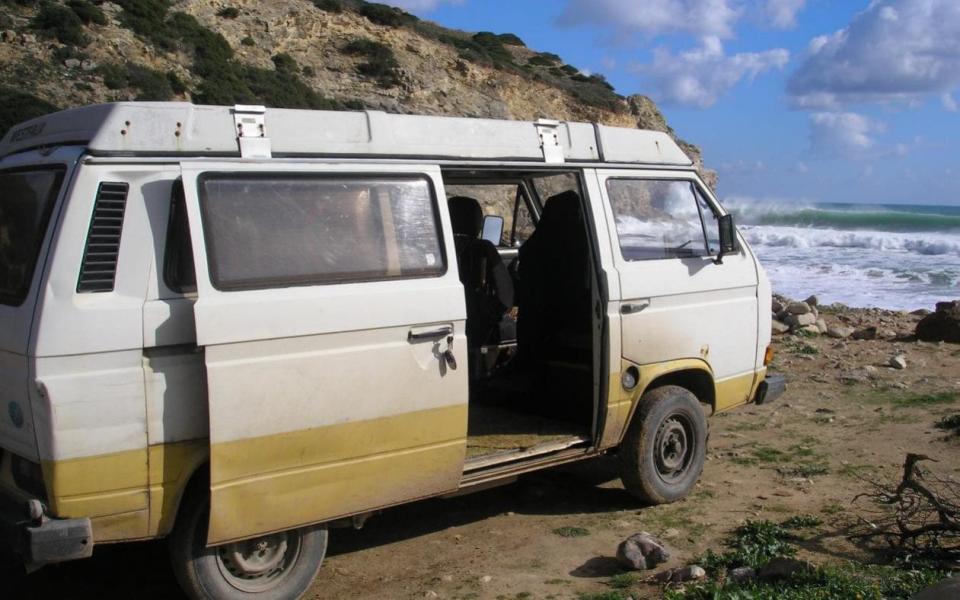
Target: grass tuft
{"x": 569, "y": 532}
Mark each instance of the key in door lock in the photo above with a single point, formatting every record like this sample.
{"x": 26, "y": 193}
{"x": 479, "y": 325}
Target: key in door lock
{"x": 448, "y": 354}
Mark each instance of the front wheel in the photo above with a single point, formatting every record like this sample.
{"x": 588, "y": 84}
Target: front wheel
{"x": 662, "y": 455}
{"x": 279, "y": 566}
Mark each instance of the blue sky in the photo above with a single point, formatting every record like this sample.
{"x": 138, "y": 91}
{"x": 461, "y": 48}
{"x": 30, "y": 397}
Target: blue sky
{"x": 790, "y": 100}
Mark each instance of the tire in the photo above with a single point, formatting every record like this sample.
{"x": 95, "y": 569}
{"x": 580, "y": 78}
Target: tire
{"x": 239, "y": 571}
{"x": 662, "y": 454}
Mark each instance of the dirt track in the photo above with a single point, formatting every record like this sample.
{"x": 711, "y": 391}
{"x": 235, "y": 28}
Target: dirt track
{"x": 805, "y": 454}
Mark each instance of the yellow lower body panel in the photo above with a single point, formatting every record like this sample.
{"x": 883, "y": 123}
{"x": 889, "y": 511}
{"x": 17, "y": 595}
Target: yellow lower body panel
{"x": 277, "y": 482}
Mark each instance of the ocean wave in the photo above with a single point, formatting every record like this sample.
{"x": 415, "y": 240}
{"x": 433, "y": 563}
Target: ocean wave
{"x": 848, "y": 217}
{"x": 798, "y": 237}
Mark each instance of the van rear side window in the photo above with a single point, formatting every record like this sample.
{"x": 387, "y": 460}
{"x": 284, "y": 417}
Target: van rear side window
{"x": 26, "y": 201}
{"x": 268, "y": 230}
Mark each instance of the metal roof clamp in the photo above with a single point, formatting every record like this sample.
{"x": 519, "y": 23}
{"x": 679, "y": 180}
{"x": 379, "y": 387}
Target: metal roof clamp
{"x": 251, "y": 131}
{"x": 549, "y": 132}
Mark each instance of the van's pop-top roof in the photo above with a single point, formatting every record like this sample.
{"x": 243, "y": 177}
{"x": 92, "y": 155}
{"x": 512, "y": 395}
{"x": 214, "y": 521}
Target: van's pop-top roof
{"x": 179, "y": 128}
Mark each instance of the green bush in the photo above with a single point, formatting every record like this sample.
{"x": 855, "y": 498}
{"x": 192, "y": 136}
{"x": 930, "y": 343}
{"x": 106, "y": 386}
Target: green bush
{"x": 544, "y": 59}
{"x": 114, "y": 76}
{"x": 66, "y": 52}
{"x": 17, "y": 106}
{"x": 147, "y": 18}
{"x": 285, "y": 63}
{"x": 151, "y": 84}
{"x": 228, "y": 12}
{"x": 510, "y": 39}
{"x": 308, "y": 71}
{"x": 248, "y": 41}
{"x": 381, "y": 14}
{"x": 570, "y": 70}
{"x": 381, "y": 63}
{"x": 211, "y": 51}
{"x": 58, "y": 21}
{"x": 176, "y": 84}
{"x": 87, "y": 12}
{"x": 492, "y": 46}
{"x": 334, "y": 6}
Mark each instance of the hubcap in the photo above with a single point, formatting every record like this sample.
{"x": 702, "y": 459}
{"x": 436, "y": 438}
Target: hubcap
{"x": 674, "y": 445}
{"x": 259, "y": 564}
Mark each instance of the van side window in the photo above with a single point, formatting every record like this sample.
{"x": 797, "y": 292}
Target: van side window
{"x": 178, "y": 270}
{"x": 659, "y": 218}
{"x": 269, "y": 230}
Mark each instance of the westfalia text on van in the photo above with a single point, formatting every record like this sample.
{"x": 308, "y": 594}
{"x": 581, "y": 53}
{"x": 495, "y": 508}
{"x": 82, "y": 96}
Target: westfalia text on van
{"x": 239, "y": 327}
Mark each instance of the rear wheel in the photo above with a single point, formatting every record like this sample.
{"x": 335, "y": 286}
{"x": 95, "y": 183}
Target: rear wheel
{"x": 278, "y": 566}
{"x": 663, "y": 453}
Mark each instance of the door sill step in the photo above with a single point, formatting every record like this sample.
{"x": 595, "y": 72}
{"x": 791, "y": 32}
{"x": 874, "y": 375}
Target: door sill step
{"x": 507, "y": 456}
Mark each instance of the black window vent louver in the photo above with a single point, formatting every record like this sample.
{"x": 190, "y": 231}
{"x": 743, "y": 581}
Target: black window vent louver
{"x": 99, "y": 268}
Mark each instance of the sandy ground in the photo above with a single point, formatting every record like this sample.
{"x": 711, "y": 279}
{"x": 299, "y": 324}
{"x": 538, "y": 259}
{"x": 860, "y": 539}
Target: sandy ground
{"x": 808, "y": 453}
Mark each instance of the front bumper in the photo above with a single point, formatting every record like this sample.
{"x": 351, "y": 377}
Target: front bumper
{"x": 771, "y": 388}
{"x": 37, "y": 542}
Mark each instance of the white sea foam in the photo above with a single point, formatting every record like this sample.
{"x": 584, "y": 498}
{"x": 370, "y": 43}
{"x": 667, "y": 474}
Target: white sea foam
{"x": 802, "y": 237}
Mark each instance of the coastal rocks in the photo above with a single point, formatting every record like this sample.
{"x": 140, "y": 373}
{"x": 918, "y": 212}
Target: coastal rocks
{"x": 840, "y": 332}
{"x": 943, "y": 325}
{"x": 867, "y": 333}
{"x": 799, "y": 308}
{"x": 897, "y": 361}
{"x": 797, "y": 320}
{"x": 681, "y": 574}
{"x": 641, "y": 551}
{"x": 812, "y": 301}
{"x": 779, "y": 328}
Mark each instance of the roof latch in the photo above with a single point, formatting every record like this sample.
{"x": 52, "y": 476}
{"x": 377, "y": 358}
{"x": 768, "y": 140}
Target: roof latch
{"x": 549, "y": 132}
{"x": 251, "y": 131}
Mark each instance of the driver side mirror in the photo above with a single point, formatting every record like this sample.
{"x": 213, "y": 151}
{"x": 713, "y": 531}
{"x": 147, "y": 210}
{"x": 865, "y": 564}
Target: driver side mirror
{"x": 492, "y": 229}
{"x": 728, "y": 238}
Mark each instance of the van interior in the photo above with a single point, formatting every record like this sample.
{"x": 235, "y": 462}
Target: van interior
{"x": 526, "y": 262}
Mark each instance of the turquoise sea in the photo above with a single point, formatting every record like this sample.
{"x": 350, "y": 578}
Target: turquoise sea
{"x": 894, "y": 256}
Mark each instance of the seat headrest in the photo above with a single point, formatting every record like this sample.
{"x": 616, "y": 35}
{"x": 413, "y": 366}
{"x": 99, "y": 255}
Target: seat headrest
{"x": 466, "y": 216}
{"x": 561, "y": 209}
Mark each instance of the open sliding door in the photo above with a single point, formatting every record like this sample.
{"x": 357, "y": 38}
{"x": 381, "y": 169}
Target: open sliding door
{"x": 331, "y": 317}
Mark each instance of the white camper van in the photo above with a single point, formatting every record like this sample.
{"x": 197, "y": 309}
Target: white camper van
{"x": 239, "y": 327}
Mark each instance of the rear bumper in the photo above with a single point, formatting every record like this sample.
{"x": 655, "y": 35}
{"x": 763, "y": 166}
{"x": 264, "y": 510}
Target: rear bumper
{"x": 771, "y": 388}
{"x": 43, "y": 541}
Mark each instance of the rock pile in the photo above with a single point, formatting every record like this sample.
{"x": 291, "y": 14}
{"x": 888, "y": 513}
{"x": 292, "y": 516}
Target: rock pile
{"x": 792, "y": 317}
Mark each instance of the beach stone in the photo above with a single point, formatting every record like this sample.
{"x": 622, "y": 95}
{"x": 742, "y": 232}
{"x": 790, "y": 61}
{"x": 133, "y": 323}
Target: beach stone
{"x": 840, "y": 331}
{"x": 9, "y": 36}
{"x": 867, "y": 333}
{"x": 681, "y": 574}
{"x": 782, "y": 567}
{"x": 741, "y": 574}
{"x": 88, "y": 65}
{"x": 821, "y": 325}
{"x": 778, "y": 327}
{"x": 641, "y": 551}
{"x": 798, "y": 308}
{"x": 812, "y": 300}
{"x": 943, "y": 325}
{"x": 897, "y": 361}
{"x": 776, "y": 306}
{"x": 72, "y": 63}
{"x": 921, "y": 312}
{"x": 948, "y": 589}
{"x": 811, "y": 330}
{"x": 795, "y": 321}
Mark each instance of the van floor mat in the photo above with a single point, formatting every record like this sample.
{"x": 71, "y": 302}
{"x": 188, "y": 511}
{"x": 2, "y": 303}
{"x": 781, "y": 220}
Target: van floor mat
{"x": 493, "y": 429}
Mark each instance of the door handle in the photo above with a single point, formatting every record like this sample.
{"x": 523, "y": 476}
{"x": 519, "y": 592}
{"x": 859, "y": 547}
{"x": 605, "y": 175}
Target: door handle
{"x": 629, "y": 308}
{"x": 429, "y": 333}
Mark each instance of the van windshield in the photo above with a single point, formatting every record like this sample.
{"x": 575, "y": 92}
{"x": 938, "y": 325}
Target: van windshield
{"x": 26, "y": 201}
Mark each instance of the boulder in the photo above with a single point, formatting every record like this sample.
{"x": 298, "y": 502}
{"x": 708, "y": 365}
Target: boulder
{"x": 897, "y": 361}
{"x": 943, "y": 325}
{"x": 813, "y": 300}
{"x": 948, "y": 589}
{"x": 921, "y": 312}
{"x": 72, "y": 63}
{"x": 810, "y": 329}
{"x": 681, "y": 574}
{"x": 821, "y": 325}
{"x": 783, "y": 567}
{"x": 798, "y": 308}
{"x": 778, "y": 327}
{"x": 741, "y": 574}
{"x": 641, "y": 551}
{"x": 840, "y": 331}
{"x": 795, "y": 321}
{"x": 88, "y": 65}
{"x": 9, "y": 36}
{"x": 867, "y": 333}
{"x": 777, "y": 306}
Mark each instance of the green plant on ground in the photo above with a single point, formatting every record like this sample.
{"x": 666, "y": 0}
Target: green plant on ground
{"x": 802, "y": 522}
{"x": 60, "y": 22}
{"x": 950, "y": 424}
{"x": 611, "y": 595}
{"x": 623, "y": 581}
{"x": 754, "y": 544}
{"x": 284, "y": 63}
{"x": 569, "y": 532}
{"x": 920, "y": 400}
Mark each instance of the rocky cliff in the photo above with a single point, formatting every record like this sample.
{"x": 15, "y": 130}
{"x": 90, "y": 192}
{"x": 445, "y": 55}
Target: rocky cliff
{"x": 293, "y": 53}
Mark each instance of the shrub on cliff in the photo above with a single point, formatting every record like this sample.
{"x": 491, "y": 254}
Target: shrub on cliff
{"x": 87, "y": 12}
{"x": 381, "y": 63}
{"x": 151, "y": 84}
{"x": 58, "y": 21}
{"x": 381, "y": 14}
{"x": 334, "y": 6}
{"x": 17, "y": 106}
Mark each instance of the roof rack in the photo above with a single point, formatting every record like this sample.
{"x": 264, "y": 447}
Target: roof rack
{"x": 184, "y": 129}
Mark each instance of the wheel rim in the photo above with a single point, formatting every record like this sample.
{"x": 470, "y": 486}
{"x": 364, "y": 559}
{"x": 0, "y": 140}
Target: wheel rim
{"x": 674, "y": 446}
{"x": 259, "y": 564}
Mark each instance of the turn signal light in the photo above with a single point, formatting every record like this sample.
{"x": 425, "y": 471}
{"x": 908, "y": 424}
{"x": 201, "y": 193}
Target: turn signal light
{"x": 768, "y": 356}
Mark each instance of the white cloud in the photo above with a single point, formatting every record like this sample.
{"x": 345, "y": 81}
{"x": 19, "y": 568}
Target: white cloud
{"x": 655, "y": 17}
{"x": 783, "y": 13}
{"x": 895, "y": 51}
{"x": 700, "y": 76}
{"x": 949, "y": 102}
{"x": 842, "y": 133}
